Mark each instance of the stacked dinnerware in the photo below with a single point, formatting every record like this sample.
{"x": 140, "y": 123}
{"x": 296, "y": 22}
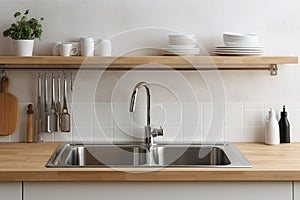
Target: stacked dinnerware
{"x": 237, "y": 44}
{"x": 179, "y": 44}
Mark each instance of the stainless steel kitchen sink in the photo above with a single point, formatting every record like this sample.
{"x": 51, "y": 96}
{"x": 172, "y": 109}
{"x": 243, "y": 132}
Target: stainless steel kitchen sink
{"x": 160, "y": 155}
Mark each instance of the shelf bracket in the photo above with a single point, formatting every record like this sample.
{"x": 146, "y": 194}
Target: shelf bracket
{"x": 3, "y": 69}
{"x": 273, "y": 69}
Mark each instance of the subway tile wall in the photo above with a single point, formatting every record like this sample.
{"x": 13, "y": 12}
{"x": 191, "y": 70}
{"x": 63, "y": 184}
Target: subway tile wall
{"x": 182, "y": 123}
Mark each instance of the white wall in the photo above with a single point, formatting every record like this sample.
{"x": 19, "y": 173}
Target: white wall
{"x": 139, "y": 24}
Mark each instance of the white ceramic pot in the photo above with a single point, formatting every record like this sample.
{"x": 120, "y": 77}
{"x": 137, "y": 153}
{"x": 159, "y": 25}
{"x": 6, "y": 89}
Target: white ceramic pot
{"x": 23, "y": 47}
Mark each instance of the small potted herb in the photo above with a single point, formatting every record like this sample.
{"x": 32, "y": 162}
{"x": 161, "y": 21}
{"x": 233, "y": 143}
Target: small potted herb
{"x": 23, "y": 32}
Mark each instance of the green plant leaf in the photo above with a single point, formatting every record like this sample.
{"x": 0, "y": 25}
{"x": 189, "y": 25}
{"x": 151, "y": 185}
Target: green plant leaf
{"x": 17, "y": 14}
{"x": 24, "y": 29}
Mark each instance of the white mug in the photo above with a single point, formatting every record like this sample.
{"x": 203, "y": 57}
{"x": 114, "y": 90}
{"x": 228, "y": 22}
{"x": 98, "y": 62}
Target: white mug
{"x": 75, "y": 44}
{"x": 55, "y": 48}
{"x": 87, "y": 46}
{"x": 103, "y": 48}
{"x": 67, "y": 49}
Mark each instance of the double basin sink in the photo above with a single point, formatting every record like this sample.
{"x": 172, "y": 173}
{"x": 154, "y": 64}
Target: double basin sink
{"x": 139, "y": 155}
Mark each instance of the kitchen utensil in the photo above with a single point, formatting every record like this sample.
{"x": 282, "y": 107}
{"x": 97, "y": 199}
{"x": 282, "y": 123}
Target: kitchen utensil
{"x": 239, "y": 50}
{"x": 103, "y": 48}
{"x": 182, "y": 41}
{"x": 65, "y": 116}
{"x": 87, "y": 46}
{"x": 55, "y": 48}
{"x": 71, "y": 77}
{"x": 58, "y": 103}
{"x": 38, "y": 137}
{"x": 175, "y": 51}
{"x": 46, "y": 108}
{"x": 53, "y": 113}
{"x": 67, "y": 49}
{"x": 29, "y": 123}
{"x": 8, "y": 109}
{"x": 180, "y": 36}
{"x": 238, "y": 39}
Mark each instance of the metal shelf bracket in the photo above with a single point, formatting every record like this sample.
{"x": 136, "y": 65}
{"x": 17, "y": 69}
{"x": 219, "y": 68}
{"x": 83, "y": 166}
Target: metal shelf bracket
{"x": 273, "y": 69}
{"x": 3, "y": 69}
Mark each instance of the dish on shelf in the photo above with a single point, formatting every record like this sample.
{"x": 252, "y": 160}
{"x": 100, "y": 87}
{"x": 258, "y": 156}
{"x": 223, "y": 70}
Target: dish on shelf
{"x": 239, "y": 47}
{"x": 183, "y": 46}
{"x": 179, "y": 44}
{"x": 238, "y": 39}
{"x": 239, "y": 50}
{"x": 180, "y": 36}
{"x": 238, "y": 53}
{"x": 180, "y": 51}
{"x": 186, "y": 41}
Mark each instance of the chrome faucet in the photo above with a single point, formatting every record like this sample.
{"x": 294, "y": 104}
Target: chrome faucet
{"x": 149, "y": 132}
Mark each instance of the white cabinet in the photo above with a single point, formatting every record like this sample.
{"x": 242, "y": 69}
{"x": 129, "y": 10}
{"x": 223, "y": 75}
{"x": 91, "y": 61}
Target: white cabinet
{"x": 10, "y": 190}
{"x": 158, "y": 190}
{"x": 296, "y": 190}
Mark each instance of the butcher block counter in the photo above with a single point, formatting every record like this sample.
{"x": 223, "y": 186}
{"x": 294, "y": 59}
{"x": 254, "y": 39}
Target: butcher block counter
{"x": 26, "y": 162}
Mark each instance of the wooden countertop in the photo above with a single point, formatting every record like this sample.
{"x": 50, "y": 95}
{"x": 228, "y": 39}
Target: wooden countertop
{"x": 26, "y": 162}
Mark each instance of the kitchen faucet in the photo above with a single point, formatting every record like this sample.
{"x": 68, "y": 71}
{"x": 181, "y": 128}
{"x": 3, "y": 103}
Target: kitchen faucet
{"x": 149, "y": 132}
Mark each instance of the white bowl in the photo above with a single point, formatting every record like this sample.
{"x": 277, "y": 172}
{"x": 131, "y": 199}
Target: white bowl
{"x": 237, "y": 39}
{"x": 182, "y": 46}
{"x": 238, "y": 35}
{"x": 185, "y": 41}
{"x": 180, "y": 36}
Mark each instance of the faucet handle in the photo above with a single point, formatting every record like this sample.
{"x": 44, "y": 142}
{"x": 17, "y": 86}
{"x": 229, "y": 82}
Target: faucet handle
{"x": 160, "y": 131}
{"x": 157, "y": 132}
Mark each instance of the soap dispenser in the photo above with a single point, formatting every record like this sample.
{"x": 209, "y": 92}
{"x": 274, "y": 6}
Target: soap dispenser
{"x": 284, "y": 127}
{"x": 272, "y": 129}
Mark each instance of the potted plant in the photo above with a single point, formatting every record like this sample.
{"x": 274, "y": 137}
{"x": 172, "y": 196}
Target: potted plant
{"x": 23, "y": 32}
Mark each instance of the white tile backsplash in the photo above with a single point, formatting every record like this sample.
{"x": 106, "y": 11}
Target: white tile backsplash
{"x": 250, "y": 92}
{"x": 49, "y": 137}
{"x": 295, "y": 133}
{"x": 192, "y": 134}
{"x": 7, "y": 138}
{"x": 234, "y": 118}
{"x": 294, "y": 117}
{"x": 82, "y": 134}
{"x": 103, "y": 118}
{"x": 82, "y": 118}
{"x": 122, "y": 134}
{"x": 234, "y": 134}
{"x": 189, "y": 122}
{"x": 254, "y": 117}
{"x": 253, "y": 106}
{"x": 64, "y": 136}
{"x": 192, "y": 115}
{"x": 213, "y": 134}
{"x": 172, "y": 118}
{"x": 173, "y": 134}
{"x": 102, "y": 134}
{"x": 254, "y": 134}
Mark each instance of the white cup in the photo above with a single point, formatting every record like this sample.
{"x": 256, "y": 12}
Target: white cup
{"x": 55, "y": 48}
{"x": 87, "y": 46}
{"x": 67, "y": 49}
{"x": 75, "y": 45}
{"x": 103, "y": 48}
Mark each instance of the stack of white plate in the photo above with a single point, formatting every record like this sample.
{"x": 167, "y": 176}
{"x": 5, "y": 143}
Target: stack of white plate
{"x": 181, "y": 45}
{"x": 239, "y": 51}
{"x": 237, "y": 44}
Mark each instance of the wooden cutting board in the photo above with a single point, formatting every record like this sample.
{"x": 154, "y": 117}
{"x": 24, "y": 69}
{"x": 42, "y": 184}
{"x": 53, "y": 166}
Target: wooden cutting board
{"x": 8, "y": 109}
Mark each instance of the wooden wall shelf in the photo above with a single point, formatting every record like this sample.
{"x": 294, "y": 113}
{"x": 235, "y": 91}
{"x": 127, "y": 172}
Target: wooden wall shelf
{"x": 126, "y": 63}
